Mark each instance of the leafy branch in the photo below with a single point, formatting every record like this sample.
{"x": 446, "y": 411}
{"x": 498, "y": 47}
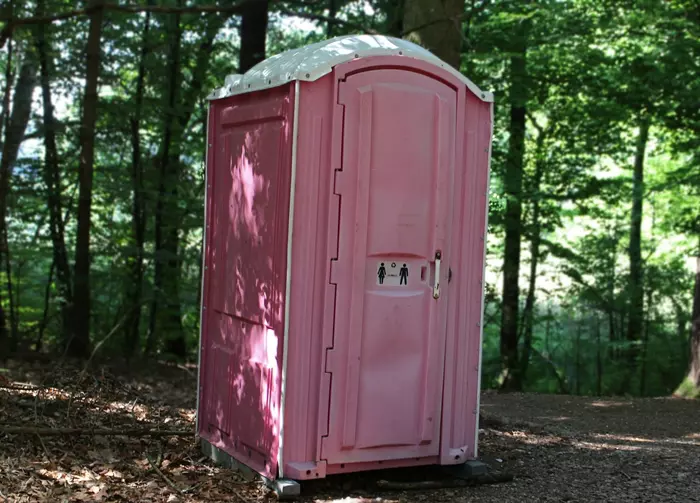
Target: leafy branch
{"x": 11, "y": 23}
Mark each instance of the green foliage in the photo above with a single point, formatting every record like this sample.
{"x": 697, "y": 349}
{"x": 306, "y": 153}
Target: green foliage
{"x": 593, "y": 66}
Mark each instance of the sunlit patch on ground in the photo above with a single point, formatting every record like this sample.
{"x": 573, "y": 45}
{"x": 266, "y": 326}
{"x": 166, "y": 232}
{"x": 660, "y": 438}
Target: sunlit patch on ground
{"x": 530, "y": 439}
{"x": 357, "y": 500}
{"x": 624, "y": 438}
{"x": 599, "y": 446}
{"x": 555, "y": 418}
{"x": 606, "y": 404}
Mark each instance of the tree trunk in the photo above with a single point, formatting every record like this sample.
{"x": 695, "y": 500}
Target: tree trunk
{"x": 437, "y": 26}
{"x": 612, "y": 336}
{"x": 45, "y": 317}
{"x": 546, "y": 329}
{"x": 645, "y": 345}
{"x": 80, "y": 344}
{"x": 7, "y": 92}
{"x": 694, "y": 373}
{"x": 52, "y": 180}
{"x": 253, "y": 33}
{"x": 16, "y": 126}
{"x": 332, "y": 13}
{"x": 165, "y": 309}
{"x": 513, "y": 216}
{"x": 636, "y": 285}
{"x": 395, "y": 17}
{"x": 690, "y": 387}
{"x": 681, "y": 324}
{"x": 5, "y": 341}
{"x": 529, "y": 311}
{"x": 134, "y": 290}
{"x": 535, "y": 236}
{"x": 579, "y": 329}
{"x": 599, "y": 359}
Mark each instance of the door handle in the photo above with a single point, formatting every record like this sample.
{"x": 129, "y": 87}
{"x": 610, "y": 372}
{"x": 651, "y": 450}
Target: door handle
{"x": 436, "y": 286}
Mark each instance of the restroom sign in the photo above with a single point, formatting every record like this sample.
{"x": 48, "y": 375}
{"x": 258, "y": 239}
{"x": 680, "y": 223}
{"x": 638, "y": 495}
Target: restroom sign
{"x": 392, "y": 273}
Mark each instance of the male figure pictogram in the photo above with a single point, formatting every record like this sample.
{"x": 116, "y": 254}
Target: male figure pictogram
{"x": 403, "y": 275}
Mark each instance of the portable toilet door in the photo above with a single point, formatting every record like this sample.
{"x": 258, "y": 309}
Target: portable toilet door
{"x": 384, "y": 155}
{"x": 396, "y": 191}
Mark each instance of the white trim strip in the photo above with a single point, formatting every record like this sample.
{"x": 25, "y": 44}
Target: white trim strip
{"x": 204, "y": 261}
{"x": 288, "y": 285}
{"x": 483, "y": 289}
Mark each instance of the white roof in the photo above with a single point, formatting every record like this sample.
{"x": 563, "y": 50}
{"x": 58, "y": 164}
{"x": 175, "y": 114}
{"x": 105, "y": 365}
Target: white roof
{"x": 313, "y": 61}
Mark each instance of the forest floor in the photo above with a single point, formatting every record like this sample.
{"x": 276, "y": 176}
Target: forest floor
{"x": 558, "y": 448}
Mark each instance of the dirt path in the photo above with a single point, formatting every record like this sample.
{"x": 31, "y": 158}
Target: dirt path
{"x": 559, "y": 448}
{"x": 589, "y": 449}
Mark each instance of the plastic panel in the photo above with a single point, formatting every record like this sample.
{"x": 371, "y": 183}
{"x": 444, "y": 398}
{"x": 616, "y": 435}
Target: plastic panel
{"x": 248, "y": 176}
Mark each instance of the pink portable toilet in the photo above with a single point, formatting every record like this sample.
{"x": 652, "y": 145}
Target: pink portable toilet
{"x": 346, "y": 206}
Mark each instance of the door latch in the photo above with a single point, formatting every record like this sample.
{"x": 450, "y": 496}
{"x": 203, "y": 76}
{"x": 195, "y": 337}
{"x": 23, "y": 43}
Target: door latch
{"x": 436, "y": 286}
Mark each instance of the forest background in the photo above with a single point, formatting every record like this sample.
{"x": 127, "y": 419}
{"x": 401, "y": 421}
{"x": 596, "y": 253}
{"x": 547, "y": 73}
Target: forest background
{"x": 593, "y": 260}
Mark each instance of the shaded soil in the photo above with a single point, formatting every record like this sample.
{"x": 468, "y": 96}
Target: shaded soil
{"x": 559, "y": 448}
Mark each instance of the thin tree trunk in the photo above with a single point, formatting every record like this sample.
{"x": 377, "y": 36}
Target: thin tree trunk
{"x": 599, "y": 359}
{"x": 546, "y": 328}
{"x": 5, "y": 339}
{"x": 579, "y": 325}
{"x": 7, "y": 92}
{"x": 513, "y": 215}
{"x": 16, "y": 126}
{"x": 165, "y": 308}
{"x": 45, "y": 317}
{"x": 166, "y": 229}
{"x": 681, "y": 324}
{"x": 8, "y": 12}
{"x": 52, "y": 180}
{"x": 473, "y": 10}
{"x": 9, "y": 77}
{"x": 18, "y": 291}
{"x": 80, "y": 344}
{"x": 529, "y": 311}
{"x": 636, "y": 285}
{"x": 38, "y": 343}
{"x": 135, "y": 287}
{"x": 645, "y": 345}
{"x": 395, "y": 18}
{"x": 648, "y": 312}
{"x": 253, "y": 33}
{"x": 612, "y": 336}
{"x": 13, "y": 300}
{"x": 332, "y": 13}
{"x": 437, "y": 26}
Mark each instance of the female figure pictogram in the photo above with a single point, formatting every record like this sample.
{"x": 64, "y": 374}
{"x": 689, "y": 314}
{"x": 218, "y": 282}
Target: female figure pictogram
{"x": 381, "y": 273}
